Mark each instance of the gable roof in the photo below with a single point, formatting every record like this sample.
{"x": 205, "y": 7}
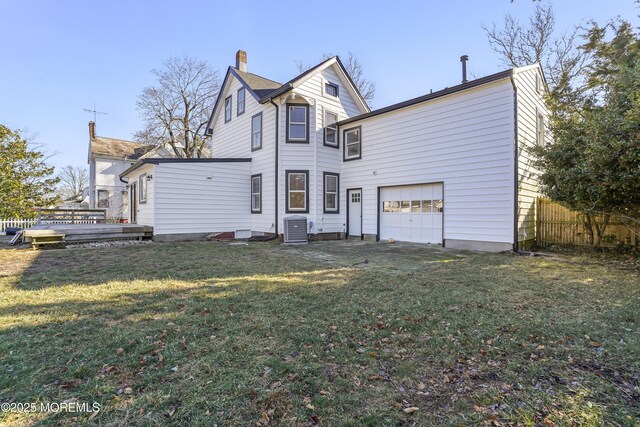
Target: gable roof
{"x": 263, "y": 89}
{"x": 118, "y": 148}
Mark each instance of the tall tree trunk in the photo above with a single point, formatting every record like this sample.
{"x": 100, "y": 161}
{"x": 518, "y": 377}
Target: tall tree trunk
{"x": 600, "y": 229}
{"x": 589, "y": 228}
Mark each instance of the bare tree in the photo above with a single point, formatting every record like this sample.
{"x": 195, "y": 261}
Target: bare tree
{"x": 366, "y": 87}
{"x": 536, "y": 42}
{"x": 177, "y": 109}
{"x": 73, "y": 180}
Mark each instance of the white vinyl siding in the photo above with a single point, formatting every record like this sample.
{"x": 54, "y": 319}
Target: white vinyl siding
{"x": 104, "y": 175}
{"x": 315, "y": 156}
{"x": 202, "y": 197}
{"x": 464, "y": 140}
{"x": 531, "y": 113}
{"x": 234, "y": 140}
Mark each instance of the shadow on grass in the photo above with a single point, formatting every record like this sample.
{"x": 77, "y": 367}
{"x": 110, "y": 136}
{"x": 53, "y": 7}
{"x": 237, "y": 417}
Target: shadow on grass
{"x": 193, "y": 334}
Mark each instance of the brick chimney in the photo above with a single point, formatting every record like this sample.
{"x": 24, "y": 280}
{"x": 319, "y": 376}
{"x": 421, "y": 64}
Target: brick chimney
{"x": 92, "y": 130}
{"x": 241, "y": 60}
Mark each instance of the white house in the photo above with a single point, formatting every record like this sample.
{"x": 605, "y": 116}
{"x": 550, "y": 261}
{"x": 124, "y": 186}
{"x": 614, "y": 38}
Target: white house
{"x": 108, "y": 158}
{"x": 450, "y": 167}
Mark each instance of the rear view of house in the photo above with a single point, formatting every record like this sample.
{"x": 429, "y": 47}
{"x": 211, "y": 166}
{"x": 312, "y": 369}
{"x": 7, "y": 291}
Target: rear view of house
{"x": 450, "y": 167}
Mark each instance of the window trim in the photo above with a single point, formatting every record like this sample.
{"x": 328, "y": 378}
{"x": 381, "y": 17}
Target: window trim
{"x": 256, "y": 211}
{"x": 324, "y": 130}
{"x": 324, "y": 193}
{"x": 142, "y": 185}
{"x": 230, "y": 99}
{"x": 286, "y": 191}
{"x": 344, "y": 144}
{"x": 98, "y": 199}
{"x": 335, "y": 85}
{"x": 298, "y": 141}
{"x": 259, "y": 147}
{"x": 244, "y": 102}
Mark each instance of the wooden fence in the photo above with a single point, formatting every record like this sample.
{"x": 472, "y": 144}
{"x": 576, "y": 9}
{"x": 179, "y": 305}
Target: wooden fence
{"x": 556, "y": 224}
{"x": 16, "y": 222}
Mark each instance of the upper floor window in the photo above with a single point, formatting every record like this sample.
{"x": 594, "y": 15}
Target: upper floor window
{"x": 256, "y": 132}
{"x": 352, "y": 143}
{"x": 331, "y": 89}
{"x": 540, "y": 130}
{"x": 256, "y": 193}
{"x": 297, "y": 191}
{"x": 330, "y": 129}
{"x": 227, "y": 109}
{"x": 240, "y": 101}
{"x": 297, "y": 123}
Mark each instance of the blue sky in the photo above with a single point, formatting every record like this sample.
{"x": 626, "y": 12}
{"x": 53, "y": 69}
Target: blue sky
{"x": 58, "y": 57}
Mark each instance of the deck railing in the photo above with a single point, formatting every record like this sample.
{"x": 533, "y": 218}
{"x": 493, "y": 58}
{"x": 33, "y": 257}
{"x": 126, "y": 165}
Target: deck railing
{"x": 72, "y": 216}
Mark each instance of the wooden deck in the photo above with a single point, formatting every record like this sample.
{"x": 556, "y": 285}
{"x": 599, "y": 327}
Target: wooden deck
{"x": 90, "y": 232}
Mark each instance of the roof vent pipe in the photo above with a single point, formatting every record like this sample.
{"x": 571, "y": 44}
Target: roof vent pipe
{"x": 464, "y": 59}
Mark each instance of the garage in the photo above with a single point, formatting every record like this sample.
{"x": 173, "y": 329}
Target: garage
{"x": 412, "y": 213}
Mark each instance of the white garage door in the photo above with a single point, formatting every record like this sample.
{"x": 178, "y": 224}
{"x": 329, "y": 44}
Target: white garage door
{"x": 412, "y": 213}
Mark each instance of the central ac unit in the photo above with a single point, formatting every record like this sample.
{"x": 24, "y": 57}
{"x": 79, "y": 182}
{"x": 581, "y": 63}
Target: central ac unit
{"x": 295, "y": 229}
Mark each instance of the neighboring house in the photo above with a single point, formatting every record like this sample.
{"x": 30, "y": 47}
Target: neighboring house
{"x": 450, "y": 167}
{"x": 108, "y": 158}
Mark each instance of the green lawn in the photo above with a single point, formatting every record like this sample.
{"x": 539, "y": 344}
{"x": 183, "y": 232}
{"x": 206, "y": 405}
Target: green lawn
{"x": 265, "y": 335}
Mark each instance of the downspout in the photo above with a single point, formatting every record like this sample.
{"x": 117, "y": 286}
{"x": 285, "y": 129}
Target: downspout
{"x": 276, "y": 163}
{"x": 515, "y": 164}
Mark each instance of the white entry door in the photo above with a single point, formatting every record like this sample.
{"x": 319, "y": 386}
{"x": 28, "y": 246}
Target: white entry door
{"x": 354, "y": 198}
{"x": 412, "y": 213}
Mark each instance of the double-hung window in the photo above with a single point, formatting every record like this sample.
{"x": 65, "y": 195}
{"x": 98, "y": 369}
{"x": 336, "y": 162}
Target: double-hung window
{"x": 353, "y": 143}
{"x": 227, "y": 109}
{"x": 297, "y": 191}
{"x": 256, "y": 193}
{"x": 256, "y": 132}
{"x": 142, "y": 188}
{"x": 297, "y": 123}
{"x": 240, "y": 101}
{"x": 330, "y": 129}
{"x": 331, "y": 191}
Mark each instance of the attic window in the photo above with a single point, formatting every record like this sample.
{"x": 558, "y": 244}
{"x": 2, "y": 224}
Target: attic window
{"x": 227, "y": 109}
{"x": 539, "y": 85}
{"x": 331, "y": 89}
